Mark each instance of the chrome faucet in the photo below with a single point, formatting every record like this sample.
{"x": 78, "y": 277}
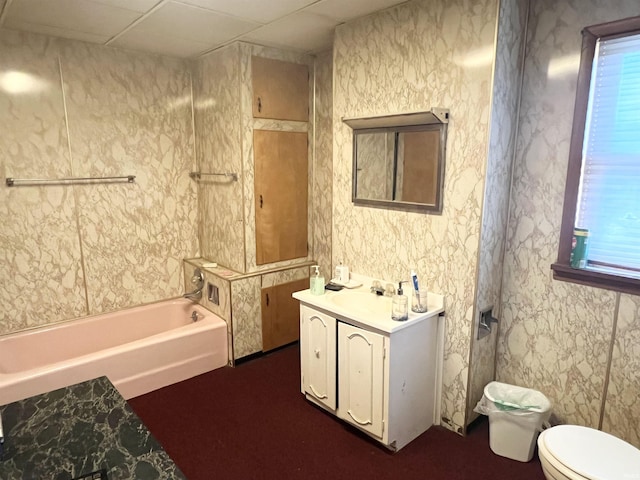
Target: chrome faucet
{"x": 388, "y": 290}
{"x": 377, "y": 288}
{"x": 198, "y": 281}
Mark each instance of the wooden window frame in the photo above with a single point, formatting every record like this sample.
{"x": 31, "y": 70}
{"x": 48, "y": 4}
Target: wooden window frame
{"x": 562, "y": 269}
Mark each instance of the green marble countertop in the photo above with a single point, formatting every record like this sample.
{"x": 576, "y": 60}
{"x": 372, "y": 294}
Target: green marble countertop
{"x": 80, "y": 429}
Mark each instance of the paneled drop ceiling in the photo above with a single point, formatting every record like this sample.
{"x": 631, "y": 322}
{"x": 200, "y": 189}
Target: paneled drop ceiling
{"x": 189, "y": 28}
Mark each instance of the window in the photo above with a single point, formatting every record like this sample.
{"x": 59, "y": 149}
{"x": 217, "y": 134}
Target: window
{"x": 603, "y": 178}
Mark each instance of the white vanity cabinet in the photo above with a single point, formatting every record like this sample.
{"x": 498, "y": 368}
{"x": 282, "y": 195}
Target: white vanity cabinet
{"x": 379, "y": 377}
{"x": 318, "y": 356}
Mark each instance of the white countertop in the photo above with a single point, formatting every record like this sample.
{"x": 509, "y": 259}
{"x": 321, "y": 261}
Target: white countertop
{"x": 371, "y": 317}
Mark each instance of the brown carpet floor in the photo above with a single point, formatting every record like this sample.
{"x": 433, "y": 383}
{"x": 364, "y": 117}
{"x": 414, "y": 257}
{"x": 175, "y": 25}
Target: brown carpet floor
{"x": 252, "y": 422}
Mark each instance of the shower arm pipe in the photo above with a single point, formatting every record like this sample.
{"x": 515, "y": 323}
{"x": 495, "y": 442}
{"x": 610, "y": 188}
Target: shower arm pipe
{"x": 199, "y": 175}
{"x": 18, "y": 182}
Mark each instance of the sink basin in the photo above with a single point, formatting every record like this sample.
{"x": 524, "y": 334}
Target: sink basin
{"x": 359, "y": 307}
{"x": 362, "y": 301}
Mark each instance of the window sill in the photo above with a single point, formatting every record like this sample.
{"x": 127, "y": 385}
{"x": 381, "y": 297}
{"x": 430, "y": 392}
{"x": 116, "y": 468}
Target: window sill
{"x": 607, "y": 281}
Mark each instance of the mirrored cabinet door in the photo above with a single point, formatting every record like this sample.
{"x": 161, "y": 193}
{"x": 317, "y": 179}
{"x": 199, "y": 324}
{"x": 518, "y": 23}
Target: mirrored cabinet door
{"x": 399, "y": 161}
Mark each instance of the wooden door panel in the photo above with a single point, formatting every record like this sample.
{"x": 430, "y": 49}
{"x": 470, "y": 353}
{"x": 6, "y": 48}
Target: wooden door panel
{"x": 281, "y": 314}
{"x": 281, "y": 184}
{"x": 280, "y": 89}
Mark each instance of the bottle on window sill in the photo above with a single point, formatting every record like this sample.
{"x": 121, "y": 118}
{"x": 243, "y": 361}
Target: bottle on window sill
{"x": 579, "y": 248}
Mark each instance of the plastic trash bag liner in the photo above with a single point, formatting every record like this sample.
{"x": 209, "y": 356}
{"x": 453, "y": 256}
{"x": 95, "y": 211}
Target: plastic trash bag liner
{"x": 511, "y": 397}
{"x": 501, "y": 399}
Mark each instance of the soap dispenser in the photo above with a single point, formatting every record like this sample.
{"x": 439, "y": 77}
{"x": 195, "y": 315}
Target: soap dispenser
{"x": 399, "y": 305}
{"x": 316, "y": 282}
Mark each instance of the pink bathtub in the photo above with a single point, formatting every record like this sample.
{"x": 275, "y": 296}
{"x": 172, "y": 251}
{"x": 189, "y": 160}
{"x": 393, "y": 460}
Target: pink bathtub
{"x": 140, "y": 349}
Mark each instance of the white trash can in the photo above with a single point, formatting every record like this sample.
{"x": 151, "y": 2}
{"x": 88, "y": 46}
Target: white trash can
{"x": 516, "y": 415}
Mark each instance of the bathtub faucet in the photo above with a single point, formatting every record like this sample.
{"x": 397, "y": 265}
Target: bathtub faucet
{"x": 198, "y": 281}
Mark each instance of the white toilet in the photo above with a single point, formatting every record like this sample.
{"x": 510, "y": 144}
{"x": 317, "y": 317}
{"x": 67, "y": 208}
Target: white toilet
{"x": 572, "y": 452}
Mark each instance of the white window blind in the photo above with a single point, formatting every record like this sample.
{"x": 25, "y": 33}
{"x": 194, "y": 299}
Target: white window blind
{"x": 609, "y": 198}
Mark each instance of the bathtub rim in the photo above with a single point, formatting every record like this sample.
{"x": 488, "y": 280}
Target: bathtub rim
{"x": 82, "y": 318}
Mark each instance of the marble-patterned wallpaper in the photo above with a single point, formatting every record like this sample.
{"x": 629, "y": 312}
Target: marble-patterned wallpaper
{"x": 271, "y": 279}
{"x": 41, "y": 274}
{"x": 555, "y": 336}
{"x": 320, "y": 200}
{"x": 218, "y": 116}
{"x": 69, "y": 251}
{"x": 512, "y": 18}
{"x": 131, "y": 113}
{"x": 246, "y": 309}
{"x": 420, "y": 55}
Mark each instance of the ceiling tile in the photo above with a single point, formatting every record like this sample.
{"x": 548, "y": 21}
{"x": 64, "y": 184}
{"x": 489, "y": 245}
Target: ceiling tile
{"x": 158, "y": 43}
{"x": 59, "y": 32}
{"x": 141, "y": 6}
{"x": 342, "y": 11}
{"x": 301, "y": 31}
{"x": 187, "y": 28}
{"x": 178, "y": 20}
{"x": 260, "y": 11}
{"x": 75, "y": 15}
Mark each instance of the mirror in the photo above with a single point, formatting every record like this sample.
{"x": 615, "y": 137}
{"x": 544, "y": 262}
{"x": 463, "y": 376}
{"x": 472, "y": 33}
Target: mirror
{"x": 398, "y": 161}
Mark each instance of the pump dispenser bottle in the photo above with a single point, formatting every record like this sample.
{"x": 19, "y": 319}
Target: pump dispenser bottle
{"x": 316, "y": 282}
{"x": 399, "y": 305}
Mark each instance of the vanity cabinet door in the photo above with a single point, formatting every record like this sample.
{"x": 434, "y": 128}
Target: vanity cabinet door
{"x": 318, "y": 356}
{"x": 280, "y": 89}
{"x": 360, "y": 378}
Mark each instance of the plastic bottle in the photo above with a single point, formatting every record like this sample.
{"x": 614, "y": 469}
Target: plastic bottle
{"x": 399, "y": 305}
{"x": 316, "y": 282}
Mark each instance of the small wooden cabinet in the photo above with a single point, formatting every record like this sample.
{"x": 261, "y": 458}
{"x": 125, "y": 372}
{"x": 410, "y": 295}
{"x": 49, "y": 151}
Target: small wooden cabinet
{"x": 280, "y": 89}
{"x": 280, "y": 324}
{"x": 386, "y": 382}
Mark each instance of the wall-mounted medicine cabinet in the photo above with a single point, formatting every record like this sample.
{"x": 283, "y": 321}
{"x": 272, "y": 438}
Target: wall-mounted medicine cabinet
{"x": 399, "y": 160}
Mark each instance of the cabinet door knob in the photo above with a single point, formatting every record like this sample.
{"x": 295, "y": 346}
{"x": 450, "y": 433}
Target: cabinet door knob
{"x": 259, "y": 105}
{"x": 317, "y": 352}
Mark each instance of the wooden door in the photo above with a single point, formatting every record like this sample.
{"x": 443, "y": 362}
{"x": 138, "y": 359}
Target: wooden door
{"x": 281, "y": 183}
{"x": 420, "y": 173}
{"x": 360, "y": 378}
{"x": 280, "y": 89}
{"x": 318, "y": 355}
{"x": 280, "y": 314}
